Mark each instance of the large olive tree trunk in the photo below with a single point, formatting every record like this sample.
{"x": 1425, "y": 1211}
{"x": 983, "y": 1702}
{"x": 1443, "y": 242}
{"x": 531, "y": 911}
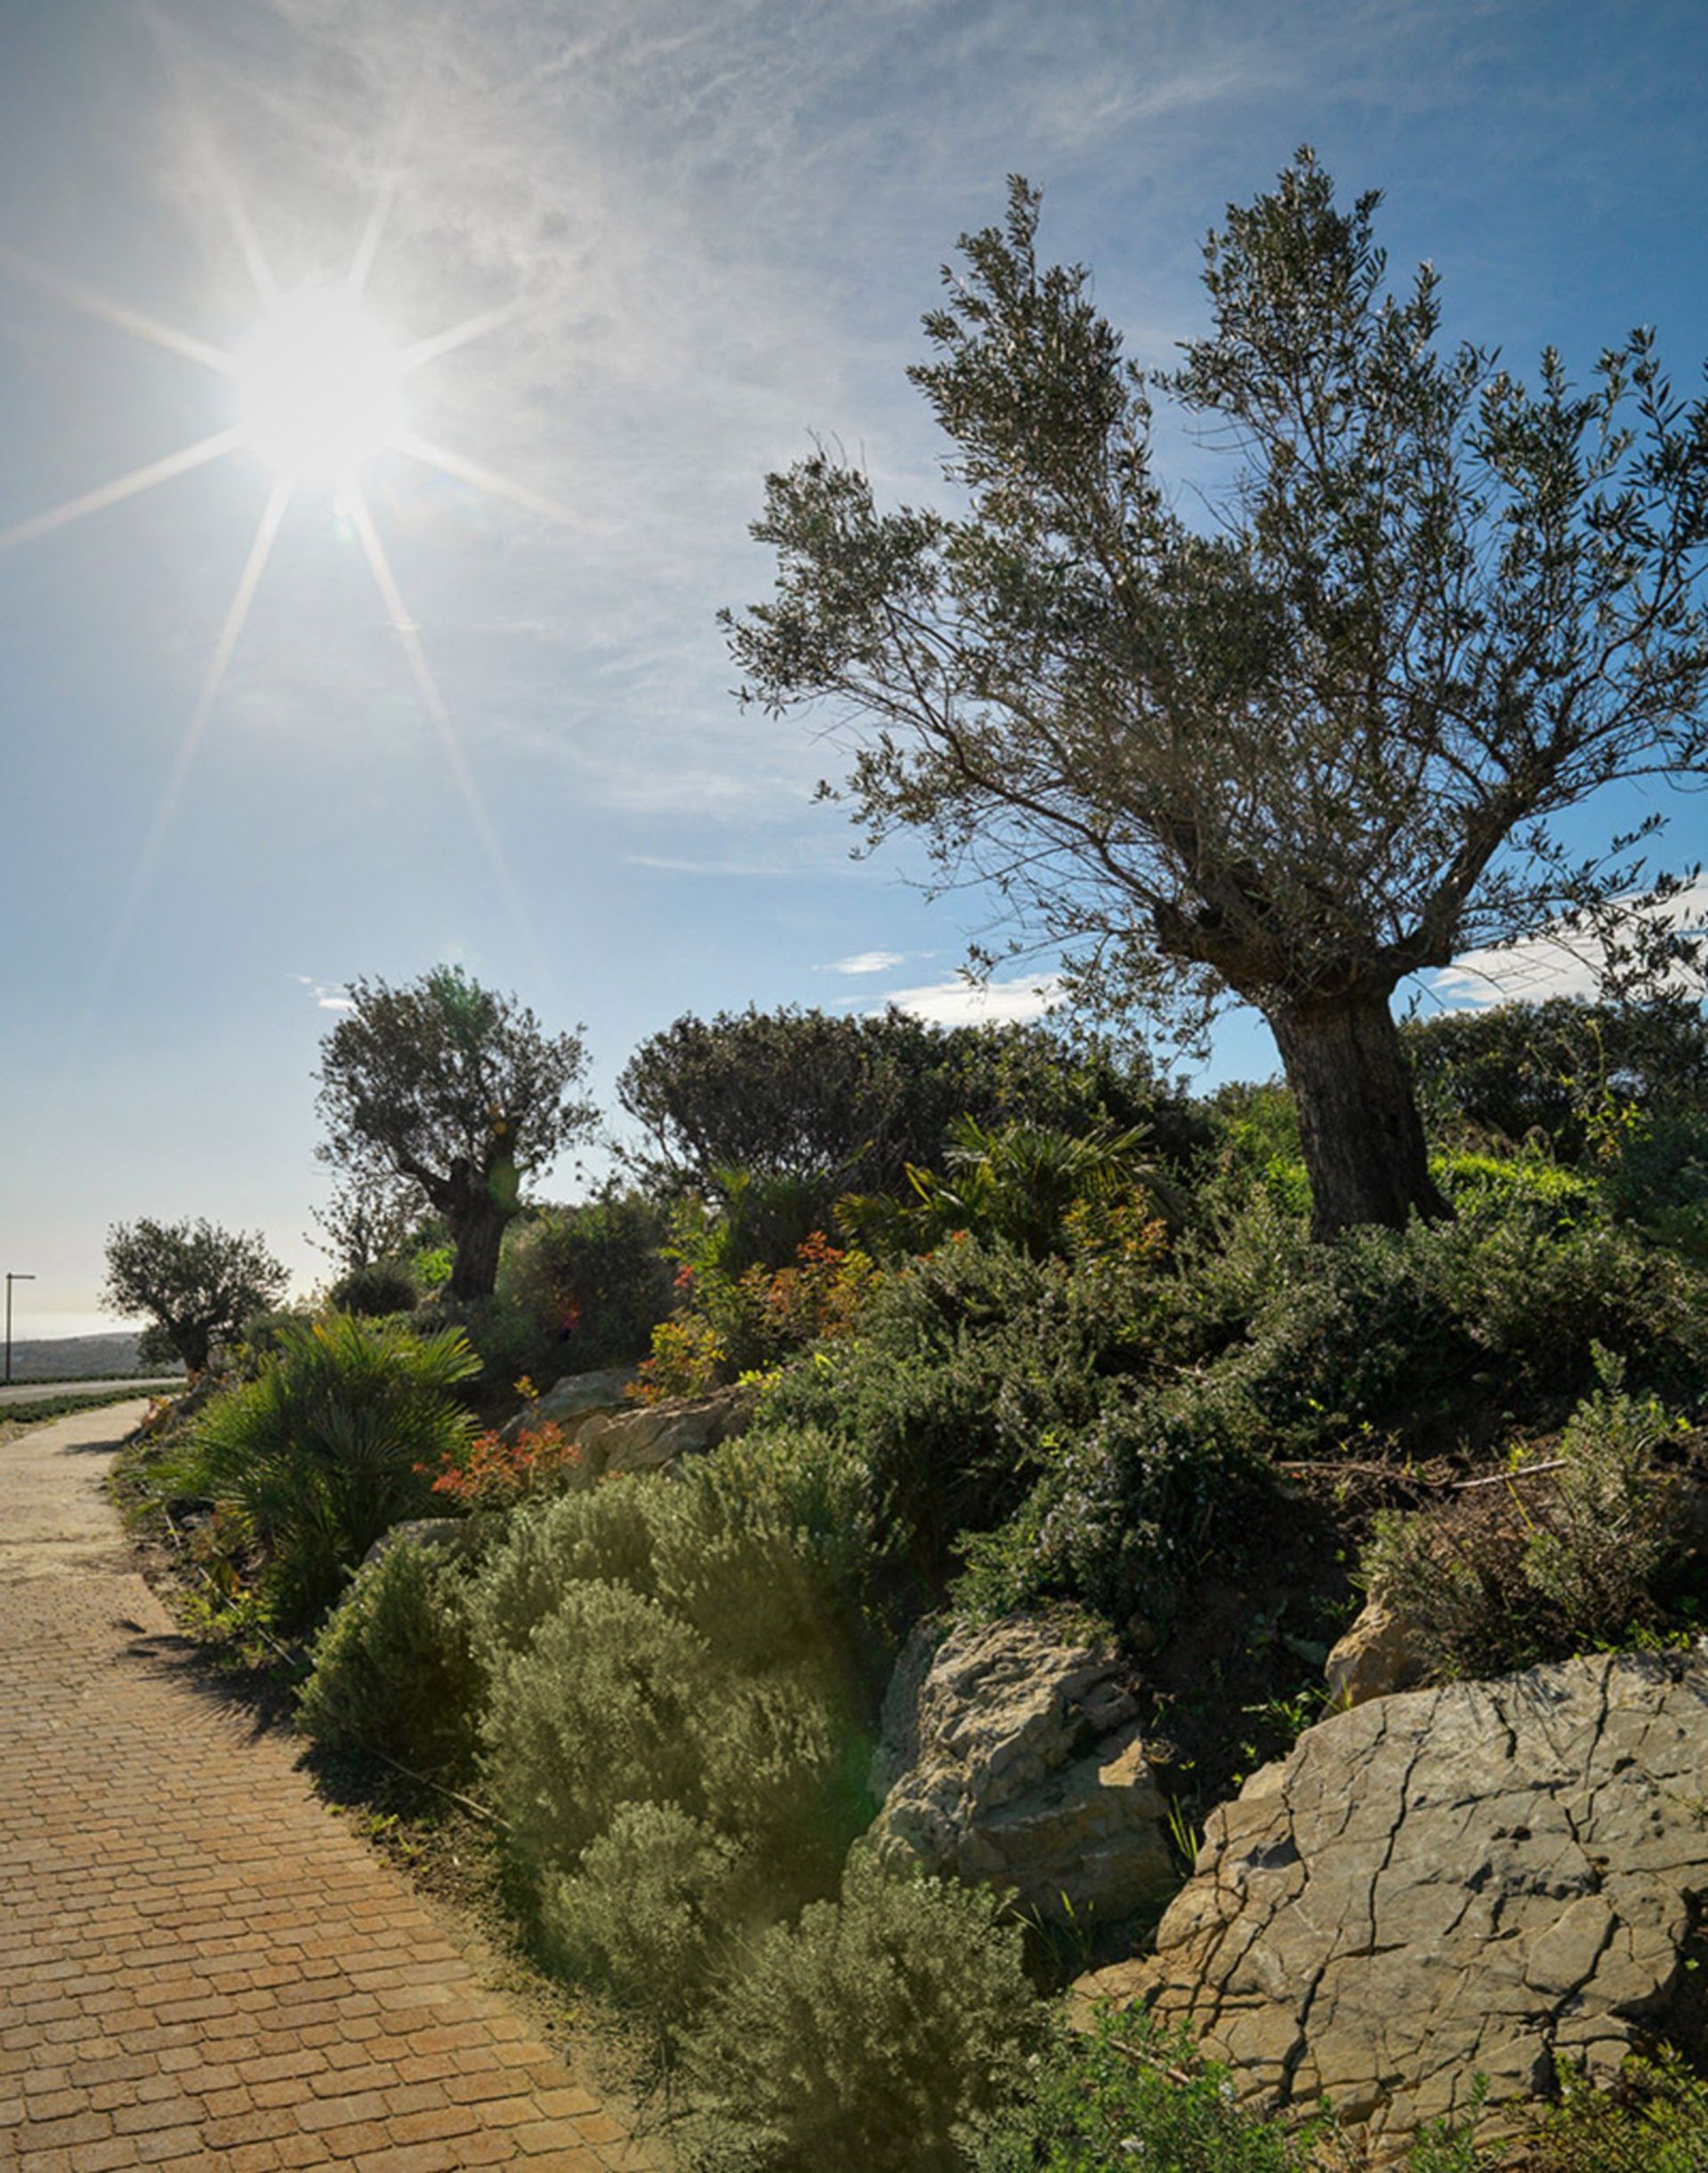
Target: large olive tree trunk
{"x": 479, "y": 1231}
{"x": 1359, "y": 1124}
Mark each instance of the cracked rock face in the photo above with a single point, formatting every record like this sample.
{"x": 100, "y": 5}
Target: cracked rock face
{"x": 1491, "y": 1877}
{"x": 1011, "y": 1757}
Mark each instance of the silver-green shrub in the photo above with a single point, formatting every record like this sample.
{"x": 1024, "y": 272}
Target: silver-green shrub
{"x": 648, "y": 1911}
{"x": 394, "y": 1667}
{"x": 868, "y": 2034}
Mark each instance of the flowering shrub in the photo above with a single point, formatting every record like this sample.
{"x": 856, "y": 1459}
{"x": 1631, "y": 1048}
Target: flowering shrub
{"x": 739, "y": 1324}
{"x": 494, "y": 1474}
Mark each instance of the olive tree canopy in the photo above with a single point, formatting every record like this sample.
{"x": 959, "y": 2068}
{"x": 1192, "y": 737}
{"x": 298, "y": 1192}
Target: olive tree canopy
{"x": 1297, "y": 738}
{"x": 197, "y": 1283}
{"x": 458, "y": 1089}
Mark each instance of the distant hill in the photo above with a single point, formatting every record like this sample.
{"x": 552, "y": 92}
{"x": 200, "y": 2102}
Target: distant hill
{"x": 79, "y": 1358}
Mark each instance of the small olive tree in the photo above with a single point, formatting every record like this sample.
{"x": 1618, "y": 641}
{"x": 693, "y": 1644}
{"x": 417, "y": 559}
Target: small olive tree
{"x": 458, "y": 1089}
{"x": 197, "y": 1283}
{"x": 1295, "y": 739}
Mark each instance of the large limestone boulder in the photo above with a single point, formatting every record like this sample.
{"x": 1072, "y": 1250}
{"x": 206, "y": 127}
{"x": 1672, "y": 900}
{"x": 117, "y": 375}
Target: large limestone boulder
{"x": 1010, "y": 1757}
{"x": 1491, "y": 1878}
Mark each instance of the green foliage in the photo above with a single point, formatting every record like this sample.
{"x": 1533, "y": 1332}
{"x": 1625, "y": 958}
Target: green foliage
{"x": 197, "y": 1283}
{"x": 383, "y": 1287}
{"x": 394, "y": 1667}
{"x": 324, "y": 1450}
{"x": 698, "y": 1644}
{"x": 746, "y": 1323}
{"x": 868, "y": 2034}
{"x": 848, "y": 1103}
{"x": 606, "y": 1706}
{"x": 1541, "y": 1568}
{"x": 1017, "y": 1183}
{"x": 1554, "y": 1069}
{"x": 1128, "y": 2091}
{"x": 1653, "y": 2120}
{"x": 1121, "y": 1515}
{"x": 456, "y": 1088}
{"x": 1658, "y": 1178}
{"x": 591, "y": 1279}
{"x": 963, "y": 1365}
{"x": 648, "y": 1912}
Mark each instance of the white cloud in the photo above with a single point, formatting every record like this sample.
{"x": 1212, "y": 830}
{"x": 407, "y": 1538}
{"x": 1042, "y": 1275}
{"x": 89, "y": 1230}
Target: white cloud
{"x": 970, "y": 1003}
{"x": 864, "y": 961}
{"x": 1559, "y": 962}
{"x": 326, "y": 994}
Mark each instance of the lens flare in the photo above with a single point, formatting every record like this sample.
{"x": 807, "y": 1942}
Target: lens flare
{"x": 320, "y": 388}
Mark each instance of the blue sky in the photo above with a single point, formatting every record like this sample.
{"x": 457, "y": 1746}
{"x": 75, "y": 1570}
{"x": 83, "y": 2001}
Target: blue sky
{"x": 709, "y": 231}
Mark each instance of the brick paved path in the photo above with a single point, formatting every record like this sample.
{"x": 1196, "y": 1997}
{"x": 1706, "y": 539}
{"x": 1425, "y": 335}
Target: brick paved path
{"x": 199, "y": 1967}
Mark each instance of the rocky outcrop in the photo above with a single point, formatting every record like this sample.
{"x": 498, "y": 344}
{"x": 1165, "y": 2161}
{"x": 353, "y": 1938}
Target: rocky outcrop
{"x": 1010, "y": 1757}
{"x": 1490, "y": 1879}
{"x": 1377, "y": 1657}
{"x": 653, "y": 1437}
{"x": 615, "y": 1434}
{"x": 570, "y": 1400}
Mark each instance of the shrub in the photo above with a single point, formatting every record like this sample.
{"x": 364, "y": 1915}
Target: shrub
{"x": 379, "y": 1288}
{"x": 1655, "y": 2119}
{"x": 848, "y": 1102}
{"x": 1538, "y": 1570}
{"x": 868, "y": 2034}
{"x": 552, "y": 1547}
{"x": 507, "y": 1342}
{"x": 591, "y": 1279}
{"x": 1559, "y": 1067}
{"x": 1018, "y": 1183}
{"x": 963, "y": 1366}
{"x": 491, "y": 1473}
{"x": 394, "y": 1667}
{"x": 648, "y": 1912}
{"x": 1129, "y": 2092}
{"x": 739, "y": 1324}
{"x": 602, "y": 1708}
{"x": 325, "y": 1449}
{"x": 1123, "y": 1514}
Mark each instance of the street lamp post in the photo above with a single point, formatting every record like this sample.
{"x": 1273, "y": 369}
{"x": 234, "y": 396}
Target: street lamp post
{"x": 11, "y": 1279}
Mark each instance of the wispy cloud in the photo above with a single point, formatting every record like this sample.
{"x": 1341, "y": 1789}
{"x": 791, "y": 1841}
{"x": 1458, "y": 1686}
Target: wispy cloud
{"x": 864, "y": 961}
{"x": 328, "y": 995}
{"x": 971, "y": 1003}
{"x": 1562, "y": 962}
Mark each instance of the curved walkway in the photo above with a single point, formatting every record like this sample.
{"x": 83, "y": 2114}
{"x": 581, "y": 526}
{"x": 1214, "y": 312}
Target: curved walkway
{"x": 199, "y": 1967}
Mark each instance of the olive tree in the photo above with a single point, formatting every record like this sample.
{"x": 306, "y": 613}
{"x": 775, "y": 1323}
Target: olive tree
{"x": 1287, "y": 739}
{"x": 458, "y": 1089}
{"x": 197, "y": 1283}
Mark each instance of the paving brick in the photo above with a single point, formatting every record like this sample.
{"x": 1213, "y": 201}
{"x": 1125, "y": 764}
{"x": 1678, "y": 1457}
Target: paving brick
{"x": 200, "y": 1970}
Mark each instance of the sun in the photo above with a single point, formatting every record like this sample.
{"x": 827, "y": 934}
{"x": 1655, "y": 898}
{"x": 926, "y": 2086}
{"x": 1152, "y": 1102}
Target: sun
{"x": 320, "y": 387}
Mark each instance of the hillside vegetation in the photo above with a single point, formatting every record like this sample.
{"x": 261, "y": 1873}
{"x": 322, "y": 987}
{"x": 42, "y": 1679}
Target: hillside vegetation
{"x": 1016, "y": 1329}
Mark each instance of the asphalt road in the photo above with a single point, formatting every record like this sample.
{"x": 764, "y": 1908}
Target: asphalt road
{"x": 43, "y": 1391}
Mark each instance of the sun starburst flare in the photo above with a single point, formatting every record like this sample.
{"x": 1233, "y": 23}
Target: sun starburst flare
{"x": 321, "y": 390}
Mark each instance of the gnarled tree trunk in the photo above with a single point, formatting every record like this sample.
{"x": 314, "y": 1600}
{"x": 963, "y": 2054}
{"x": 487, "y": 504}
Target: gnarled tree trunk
{"x": 479, "y": 1231}
{"x": 1359, "y": 1124}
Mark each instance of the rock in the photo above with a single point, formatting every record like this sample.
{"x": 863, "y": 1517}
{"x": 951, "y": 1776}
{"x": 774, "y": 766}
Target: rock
{"x": 1377, "y": 1657}
{"x": 652, "y": 1437}
{"x": 578, "y": 1396}
{"x": 1011, "y": 1757}
{"x": 1491, "y": 1878}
